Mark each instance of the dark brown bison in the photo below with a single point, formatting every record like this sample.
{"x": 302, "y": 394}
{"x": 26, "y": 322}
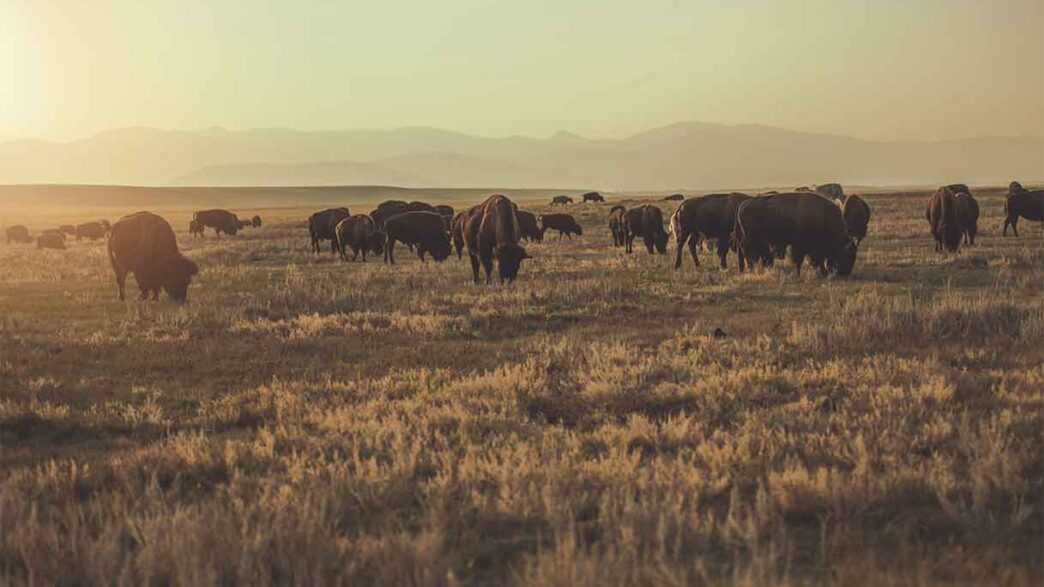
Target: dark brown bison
{"x": 322, "y": 226}
{"x": 144, "y": 244}
{"x": 527, "y": 222}
{"x": 674, "y": 198}
{"x": 68, "y": 229}
{"x": 645, "y": 221}
{"x": 563, "y": 223}
{"x": 424, "y": 230}
{"x": 560, "y": 200}
{"x": 967, "y": 216}
{"x": 941, "y": 214}
{"x": 457, "y": 231}
{"x": 392, "y": 208}
{"x": 491, "y": 231}
{"x": 360, "y": 233}
{"x": 857, "y": 217}
{"x": 832, "y": 191}
{"x": 592, "y": 197}
{"x": 1015, "y": 188}
{"x": 616, "y": 225}
{"x": 50, "y": 240}
{"x": 810, "y": 224}
{"x": 713, "y": 217}
{"x": 222, "y": 221}
{"x": 92, "y": 230}
{"x": 1025, "y": 204}
{"x": 18, "y": 234}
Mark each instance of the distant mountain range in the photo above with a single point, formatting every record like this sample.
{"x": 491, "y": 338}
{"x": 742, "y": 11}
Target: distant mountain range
{"x": 681, "y": 156}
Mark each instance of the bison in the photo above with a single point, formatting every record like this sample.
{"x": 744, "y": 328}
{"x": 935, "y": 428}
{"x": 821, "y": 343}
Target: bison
{"x": 322, "y": 226}
{"x": 144, "y": 244}
{"x": 1023, "y": 204}
{"x": 616, "y": 225}
{"x": 810, "y": 224}
{"x": 222, "y": 221}
{"x": 92, "y": 230}
{"x": 592, "y": 197}
{"x": 832, "y": 191}
{"x": 712, "y": 216}
{"x": 424, "y": 230}
{"x": 527, "y": 222}
{"x": 941, "y": 214}
{"x": 255, "y": 221}
{"x": 967, "y": 216}
{"x": 360, "y": 233}
{"x": 674, "y": 198}
{"x": 491, "y": 231}
{"x": 563, "y": 223}
{"x": 857, "y": 217}
{"x": 561, "y": 200}
{"x": 50, "y": 239}
{"x": 1015, "y": 188}
{"x": 18, "y": 234}
{"x": 645, "y": 221}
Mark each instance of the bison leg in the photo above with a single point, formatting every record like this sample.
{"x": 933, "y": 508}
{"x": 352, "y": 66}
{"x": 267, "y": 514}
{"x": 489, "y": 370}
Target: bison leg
{"x": 629, "y": 243}
{"x": 1015, "y": 225}
{"x": 487, "y": 265}
{"x": 723, "y": 252}
{"x": 389, "y": 251}
{"x": 121, "y": 279}
{"x": 474, "y": 266}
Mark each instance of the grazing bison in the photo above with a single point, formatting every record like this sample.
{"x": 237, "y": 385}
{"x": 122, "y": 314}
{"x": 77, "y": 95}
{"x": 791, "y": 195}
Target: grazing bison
{"x": 592, "y": 197}
{"x": 857, "y": 217}
{"x": 18, "y": 234}
{"x": 424, "y": 230}
{"x": 616, "y": 225}
{"x": 561, "y": 200}
{"x": 222, "y": 221}
{"x": 322, "y": 226}
{"x": 144, "y": 244}
{"x": 491, "y": 231}
{"x": 68, "y": 229}
{"x": 530, "y": 230}
{"x": 674, "y": 198}
{"x": 50, "y": 240}
{"x": 563, "y": 223}
{"x": 1025, "y": 204}
{"x": 810, "y": 224}
{"x": 941, "y": 214}
{"x": 967, "y": 216}
{"x": 645, "y": 221}
{"x": 360, "y": 233}
{"x": 457, "y": 231}
{"x": 832, "y": 191}
{"x": 710, "y": 216}
{"x": 392, "y": 208}
{"x": 92, "y": 230}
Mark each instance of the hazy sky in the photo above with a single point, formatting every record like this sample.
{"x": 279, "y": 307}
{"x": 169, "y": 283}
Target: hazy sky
{"x": 887, "y": 69}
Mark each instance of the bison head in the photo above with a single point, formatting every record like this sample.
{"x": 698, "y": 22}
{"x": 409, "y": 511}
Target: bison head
{"x": 255, "y": 222}
{"x": 509, "y": 260}
{"x": 577, "y": 229}
{"x": 661, "y": 243}
{"x": 846, "y": 259}
{"x": 176, "y": 273}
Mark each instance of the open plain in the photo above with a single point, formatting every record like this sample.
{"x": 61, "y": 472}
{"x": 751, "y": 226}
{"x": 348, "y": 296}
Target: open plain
{"x": 305, "y": 420}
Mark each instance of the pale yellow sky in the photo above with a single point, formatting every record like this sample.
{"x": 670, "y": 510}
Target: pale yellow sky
{"x": 883, "y": 69}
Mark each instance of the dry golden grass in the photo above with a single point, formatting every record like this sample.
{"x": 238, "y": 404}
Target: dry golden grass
{"x": 306, "y": 421}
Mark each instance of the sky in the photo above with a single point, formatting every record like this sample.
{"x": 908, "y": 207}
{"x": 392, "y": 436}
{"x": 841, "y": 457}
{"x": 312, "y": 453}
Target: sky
{"x": 878, "y": 69}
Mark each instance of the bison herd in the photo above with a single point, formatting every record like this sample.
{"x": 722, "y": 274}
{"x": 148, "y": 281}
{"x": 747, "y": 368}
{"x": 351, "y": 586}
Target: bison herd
{"x": 822, "y": 225}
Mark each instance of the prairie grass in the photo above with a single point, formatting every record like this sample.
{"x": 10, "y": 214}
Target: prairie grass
{"x": 307, "y": 421}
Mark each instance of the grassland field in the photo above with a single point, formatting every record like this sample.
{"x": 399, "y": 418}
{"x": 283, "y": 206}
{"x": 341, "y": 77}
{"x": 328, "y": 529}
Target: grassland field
{"x": 308, "y": 421}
